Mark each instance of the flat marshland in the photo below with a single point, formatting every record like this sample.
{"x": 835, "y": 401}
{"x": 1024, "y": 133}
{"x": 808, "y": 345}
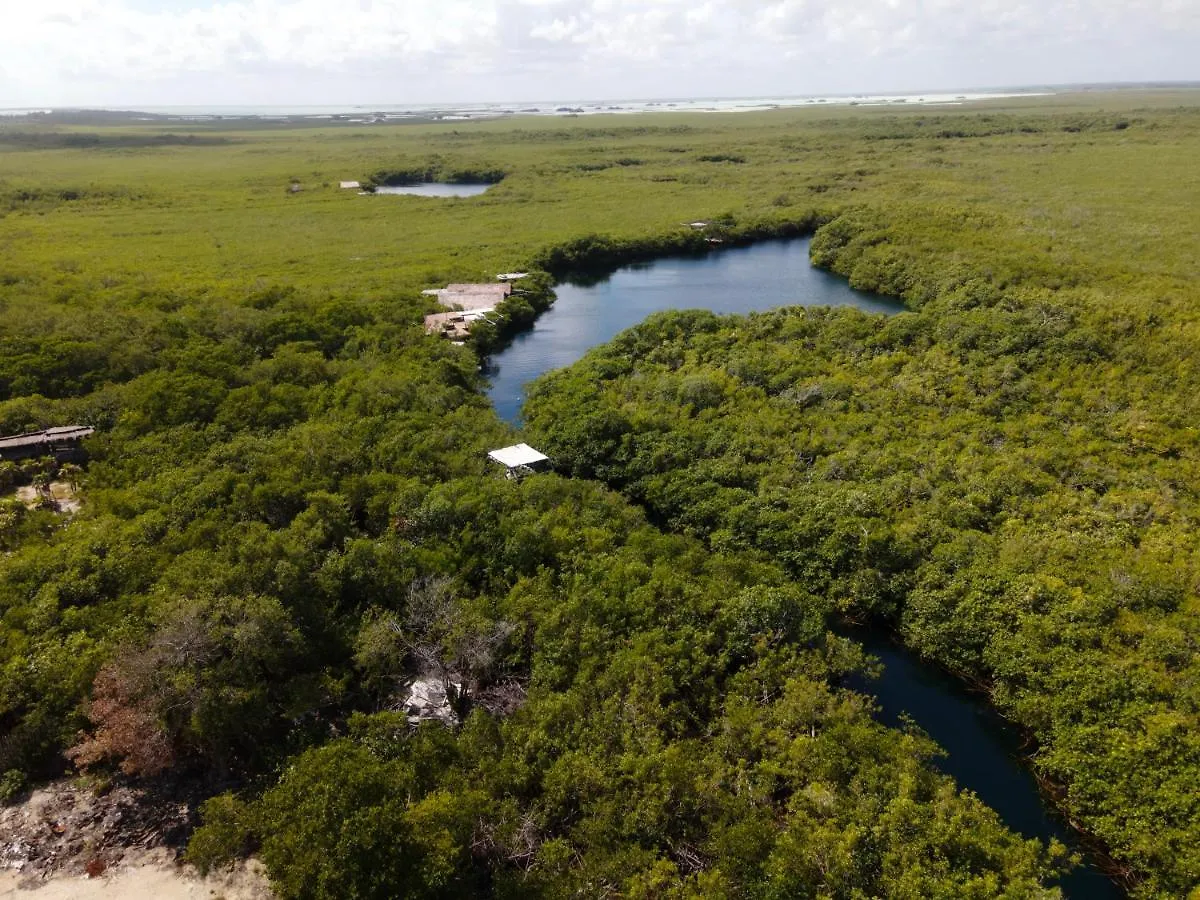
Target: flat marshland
{"x": 288, "y": 514}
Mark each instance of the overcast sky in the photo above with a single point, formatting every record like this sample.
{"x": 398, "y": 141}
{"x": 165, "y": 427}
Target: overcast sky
{"x": 301, "y": 52}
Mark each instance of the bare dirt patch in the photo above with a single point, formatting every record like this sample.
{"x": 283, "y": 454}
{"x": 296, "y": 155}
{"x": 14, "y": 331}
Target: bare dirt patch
{"x": 68, "y": 841}
{"x": 60, "y": 495}
{"x": 143, "y": 875}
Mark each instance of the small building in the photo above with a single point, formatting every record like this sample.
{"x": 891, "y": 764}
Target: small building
{"x": 456, "y": 324}
{"x": 519, "y": 460}
{"x": 474, "y": 296}
{"x": 469, "y": 303}
{"x": 470, "y": 296}
{"x": 63, "y": 443}
{"x": 349, "y": 185}
{"x": 473, "y": 300}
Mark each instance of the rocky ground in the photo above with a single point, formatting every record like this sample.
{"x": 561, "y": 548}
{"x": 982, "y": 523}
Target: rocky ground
{"x": 70, "y": 841}
{"x": 60, "y": 494}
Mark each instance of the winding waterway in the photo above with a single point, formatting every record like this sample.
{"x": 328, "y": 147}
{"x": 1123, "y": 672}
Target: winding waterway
{"x": 982, "y": 751}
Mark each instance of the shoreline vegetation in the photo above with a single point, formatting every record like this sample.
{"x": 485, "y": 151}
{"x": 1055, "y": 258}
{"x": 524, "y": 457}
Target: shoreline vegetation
{"x": 287, "y": 515}
{"x": 434, "y": 172}
{"x": 594, "y": 257}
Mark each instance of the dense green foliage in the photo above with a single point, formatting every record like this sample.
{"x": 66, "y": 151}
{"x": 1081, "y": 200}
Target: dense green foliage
{"x": 288, "y": 513}
{"x": 1008, "y": 474}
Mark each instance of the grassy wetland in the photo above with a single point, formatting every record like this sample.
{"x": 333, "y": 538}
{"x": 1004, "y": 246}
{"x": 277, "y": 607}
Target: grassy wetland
{"x": 288, "y": 515}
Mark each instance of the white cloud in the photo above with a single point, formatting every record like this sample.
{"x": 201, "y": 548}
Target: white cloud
{"x": 300, "y": 51}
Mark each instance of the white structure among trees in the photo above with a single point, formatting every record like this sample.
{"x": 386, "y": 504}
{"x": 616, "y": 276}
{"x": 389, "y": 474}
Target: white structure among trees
{"x": 519, "y": 459}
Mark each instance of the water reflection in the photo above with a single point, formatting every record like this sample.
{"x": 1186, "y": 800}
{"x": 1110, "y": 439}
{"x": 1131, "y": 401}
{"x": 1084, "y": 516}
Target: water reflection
{"x": 434, "y": 189}
{"x": 763, "y": 276}
{"x": 983, "y": 751}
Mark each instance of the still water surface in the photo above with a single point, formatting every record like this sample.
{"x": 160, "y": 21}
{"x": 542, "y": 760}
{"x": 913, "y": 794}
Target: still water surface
{"x": 434, "y": 189}
{"x": 740, "y": 280}
{"x": 982, "y": 751}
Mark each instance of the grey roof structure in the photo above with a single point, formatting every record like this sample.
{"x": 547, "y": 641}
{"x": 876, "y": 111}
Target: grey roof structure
{"x": 48, "y": 441}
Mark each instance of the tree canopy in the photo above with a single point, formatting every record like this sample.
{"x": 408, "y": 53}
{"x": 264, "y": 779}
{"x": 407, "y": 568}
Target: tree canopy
{"x": 287, "y": 514}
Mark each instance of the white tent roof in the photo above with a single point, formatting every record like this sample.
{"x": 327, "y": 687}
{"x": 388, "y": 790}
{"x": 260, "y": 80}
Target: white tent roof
{"x": 517, "y": 455}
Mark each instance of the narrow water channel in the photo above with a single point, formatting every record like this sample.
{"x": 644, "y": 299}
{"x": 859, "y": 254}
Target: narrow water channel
{"x": 982, "y": 751}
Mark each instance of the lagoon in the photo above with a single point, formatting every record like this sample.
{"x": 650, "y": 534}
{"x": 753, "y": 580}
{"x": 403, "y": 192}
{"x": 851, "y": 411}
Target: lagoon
{"x": 760, "y": 277}
{"x": 434, "y": 189}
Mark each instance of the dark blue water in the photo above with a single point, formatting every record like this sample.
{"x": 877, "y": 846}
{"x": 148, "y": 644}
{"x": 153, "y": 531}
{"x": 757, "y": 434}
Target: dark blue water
{"x": 740, "y": 280}
{"x": 434, "y": 189}
{"x": 983, "y": 752}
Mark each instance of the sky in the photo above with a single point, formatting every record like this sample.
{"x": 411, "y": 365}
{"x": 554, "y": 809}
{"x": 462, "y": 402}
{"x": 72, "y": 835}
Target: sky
{"x": 129, "y": 53}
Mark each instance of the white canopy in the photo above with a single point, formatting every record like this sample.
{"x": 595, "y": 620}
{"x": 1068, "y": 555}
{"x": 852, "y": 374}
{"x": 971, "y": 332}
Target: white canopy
{"x": 517, "y": 455}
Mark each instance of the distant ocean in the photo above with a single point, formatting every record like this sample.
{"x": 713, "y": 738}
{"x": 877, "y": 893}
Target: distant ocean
{"x": 468, "y": 111}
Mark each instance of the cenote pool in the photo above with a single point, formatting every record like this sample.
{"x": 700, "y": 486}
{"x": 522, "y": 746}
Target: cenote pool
{"x": 434, "y": 189}
{"x": 982, "y": 751}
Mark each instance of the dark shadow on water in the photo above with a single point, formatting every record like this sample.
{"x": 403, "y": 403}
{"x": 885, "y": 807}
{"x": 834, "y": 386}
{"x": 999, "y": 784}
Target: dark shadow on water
{"x": 983, "y": 751}
{"x": 588, "y": 279}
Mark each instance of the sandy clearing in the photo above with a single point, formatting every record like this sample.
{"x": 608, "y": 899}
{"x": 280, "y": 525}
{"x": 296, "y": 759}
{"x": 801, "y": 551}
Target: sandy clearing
{"x": 151, "y": 876}
{"x": 62, "y": 495}
{"x": 132, "y": 833}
